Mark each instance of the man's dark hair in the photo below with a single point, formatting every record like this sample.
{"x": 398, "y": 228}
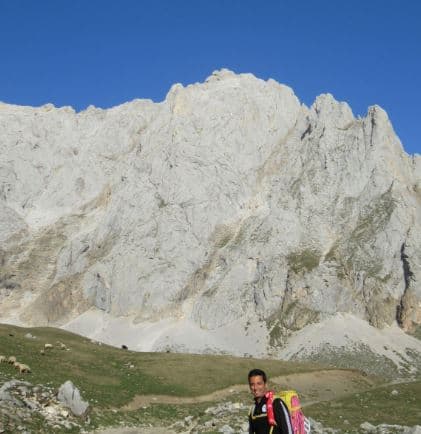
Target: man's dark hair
{"x": 256, "y": 372}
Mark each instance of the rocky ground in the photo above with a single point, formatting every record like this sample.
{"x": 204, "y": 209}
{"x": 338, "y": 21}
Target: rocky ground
{"x": 28, "y": 408}
{"x": 23, "y": 404}
{"x": 228, "y": 418}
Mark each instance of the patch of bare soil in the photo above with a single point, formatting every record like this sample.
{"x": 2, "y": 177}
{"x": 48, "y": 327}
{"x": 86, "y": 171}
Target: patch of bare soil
{"x": 312, "y": 386}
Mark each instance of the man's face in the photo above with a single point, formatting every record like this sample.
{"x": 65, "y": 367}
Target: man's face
{"x": 257, "y": 386}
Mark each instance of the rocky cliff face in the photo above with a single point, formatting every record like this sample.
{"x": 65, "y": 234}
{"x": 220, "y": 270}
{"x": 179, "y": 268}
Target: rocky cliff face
{"x": 228, "y": 203}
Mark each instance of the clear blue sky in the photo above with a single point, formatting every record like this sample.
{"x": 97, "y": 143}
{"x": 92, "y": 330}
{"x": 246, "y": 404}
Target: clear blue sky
{"x": 82, "y": 52}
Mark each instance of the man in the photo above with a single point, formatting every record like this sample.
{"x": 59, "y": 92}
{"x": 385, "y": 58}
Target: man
{"x": 260, "y": 414}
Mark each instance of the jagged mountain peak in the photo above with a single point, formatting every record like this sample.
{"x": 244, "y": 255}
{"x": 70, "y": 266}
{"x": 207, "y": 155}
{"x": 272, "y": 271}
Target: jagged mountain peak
{"x": 228, "y": 204}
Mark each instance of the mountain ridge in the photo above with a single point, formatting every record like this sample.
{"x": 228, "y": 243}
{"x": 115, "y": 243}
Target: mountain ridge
{"x": 228, "y": 207}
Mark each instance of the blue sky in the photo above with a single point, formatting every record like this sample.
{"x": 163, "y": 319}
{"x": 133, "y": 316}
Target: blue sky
{"x": 82, "y": 52}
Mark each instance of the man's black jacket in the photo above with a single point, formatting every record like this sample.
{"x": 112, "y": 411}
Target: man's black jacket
{"x": 258, "y": 421}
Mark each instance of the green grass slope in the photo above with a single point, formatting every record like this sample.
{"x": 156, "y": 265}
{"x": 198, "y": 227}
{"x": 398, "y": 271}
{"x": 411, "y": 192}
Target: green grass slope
{"x": 111, "y": 379}
{"x": 113, "y": 376}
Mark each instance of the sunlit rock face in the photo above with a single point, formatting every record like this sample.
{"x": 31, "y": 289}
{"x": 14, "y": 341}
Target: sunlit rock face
{"x": 229, "y": 202}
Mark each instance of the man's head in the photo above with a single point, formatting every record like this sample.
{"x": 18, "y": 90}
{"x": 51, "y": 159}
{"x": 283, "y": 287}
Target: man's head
{"x": 257, "y": 383}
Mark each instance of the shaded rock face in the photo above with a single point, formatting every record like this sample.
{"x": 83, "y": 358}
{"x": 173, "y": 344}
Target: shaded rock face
{"x": 229, "y": 201}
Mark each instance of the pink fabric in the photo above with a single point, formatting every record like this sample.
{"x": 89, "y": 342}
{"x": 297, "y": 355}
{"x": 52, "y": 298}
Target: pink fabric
{"x": 269, "y": 407}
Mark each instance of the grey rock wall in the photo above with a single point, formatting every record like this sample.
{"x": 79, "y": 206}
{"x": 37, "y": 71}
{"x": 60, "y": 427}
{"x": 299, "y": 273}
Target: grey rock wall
{"x": 229, "y": 201}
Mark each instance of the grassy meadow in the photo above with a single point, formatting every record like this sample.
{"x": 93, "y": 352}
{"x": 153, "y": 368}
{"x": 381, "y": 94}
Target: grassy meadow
{"x": 110, "y": 378}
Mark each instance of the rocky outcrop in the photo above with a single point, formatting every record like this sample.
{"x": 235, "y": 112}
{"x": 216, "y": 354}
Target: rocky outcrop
{"x": 24, "y": 407}
{"x": 68, "y": 394}
{"x": 228, "y": 203}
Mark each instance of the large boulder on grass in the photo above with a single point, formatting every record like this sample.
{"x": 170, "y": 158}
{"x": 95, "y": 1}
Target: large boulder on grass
{"x": 69, "y": 395}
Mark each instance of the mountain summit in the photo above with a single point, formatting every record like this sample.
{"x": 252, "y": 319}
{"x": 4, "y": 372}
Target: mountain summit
{"x": 228, "y": 217}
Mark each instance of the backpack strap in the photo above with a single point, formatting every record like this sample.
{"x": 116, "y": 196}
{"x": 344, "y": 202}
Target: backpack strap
{"x": 269, "y": 406}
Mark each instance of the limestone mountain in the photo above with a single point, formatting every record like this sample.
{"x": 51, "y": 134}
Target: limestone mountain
{"x": 224, "y": 218}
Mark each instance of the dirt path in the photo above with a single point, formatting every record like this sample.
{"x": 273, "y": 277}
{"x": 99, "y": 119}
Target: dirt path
{"x": 134, "y": 430}
{"x": 312, "y": 386}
